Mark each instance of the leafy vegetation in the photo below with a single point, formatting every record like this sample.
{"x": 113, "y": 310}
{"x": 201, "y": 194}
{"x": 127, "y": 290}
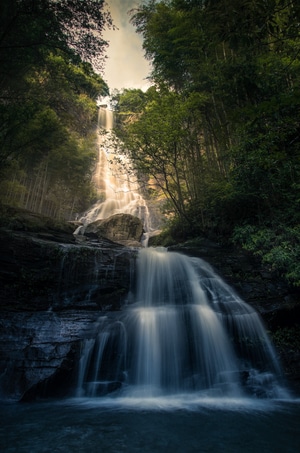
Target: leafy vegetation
{"x": 218, "y": 132}
{"x": 48, "y": 110}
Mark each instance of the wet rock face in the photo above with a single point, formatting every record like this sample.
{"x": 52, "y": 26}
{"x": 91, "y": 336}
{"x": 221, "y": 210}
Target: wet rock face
{"x": 39, "y": 353}
{"x": 39, "y": 274}
{"x": 47, "y": 284}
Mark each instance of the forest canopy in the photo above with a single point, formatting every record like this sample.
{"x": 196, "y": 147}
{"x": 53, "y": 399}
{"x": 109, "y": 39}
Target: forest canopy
{"x": 49, "y": 52}
{"x": 219, "y": 130}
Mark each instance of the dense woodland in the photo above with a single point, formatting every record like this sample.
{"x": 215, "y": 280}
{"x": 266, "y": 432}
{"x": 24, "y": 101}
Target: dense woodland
{"x": 217, "y": 133}
{"x": 219, "y": 130}
{"x": 49, "y": 51}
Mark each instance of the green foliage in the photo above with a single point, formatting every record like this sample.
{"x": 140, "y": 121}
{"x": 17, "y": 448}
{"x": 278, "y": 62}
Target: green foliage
{"x": 31, "y": 28}
{"x": 278, "y": 247}
{"x": 223, "y": 121}
{"x": 48, "y": 110}
{"x": 129, "y": 101}
{"x": 161, "y": 138}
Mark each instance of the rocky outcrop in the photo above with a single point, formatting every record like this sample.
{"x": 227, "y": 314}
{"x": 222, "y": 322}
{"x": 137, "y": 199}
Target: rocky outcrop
{"x": 53, "y": 291}
{"x": 48, "y": 281}
{"x": 40, "y": 352}
{"x": 43, "y": 267}
{"x": 124, "y": 229}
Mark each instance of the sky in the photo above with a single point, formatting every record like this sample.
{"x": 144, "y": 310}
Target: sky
{"x": 125, "y": 66}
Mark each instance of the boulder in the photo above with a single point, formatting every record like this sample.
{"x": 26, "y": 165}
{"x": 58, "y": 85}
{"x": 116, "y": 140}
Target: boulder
{"x": 124, "y": 229}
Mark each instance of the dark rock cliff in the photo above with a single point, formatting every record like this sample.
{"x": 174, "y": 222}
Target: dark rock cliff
{"x": 39, "y": 274}
{"x": 43, "y": 266}
{"x": 53, "y": 290}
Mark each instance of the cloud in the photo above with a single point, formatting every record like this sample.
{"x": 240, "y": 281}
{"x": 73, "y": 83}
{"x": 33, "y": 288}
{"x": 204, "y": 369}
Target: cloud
{"x": 125, "y": 66}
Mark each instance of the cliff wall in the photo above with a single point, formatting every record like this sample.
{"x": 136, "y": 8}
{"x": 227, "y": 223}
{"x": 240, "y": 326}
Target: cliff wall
{"x": 53, "y": 290}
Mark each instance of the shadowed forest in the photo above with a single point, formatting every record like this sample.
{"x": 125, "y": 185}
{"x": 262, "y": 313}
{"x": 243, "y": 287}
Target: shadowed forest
{"x": 216, "y": 135}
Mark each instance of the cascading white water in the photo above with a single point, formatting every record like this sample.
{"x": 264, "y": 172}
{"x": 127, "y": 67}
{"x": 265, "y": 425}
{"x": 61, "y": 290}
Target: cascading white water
{"x": 186, "y": 332}
{"x": 115, "y": 181}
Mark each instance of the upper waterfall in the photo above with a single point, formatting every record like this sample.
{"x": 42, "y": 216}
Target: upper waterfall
{"x": 115, "y": 180}
{"x": 105, "y": 118}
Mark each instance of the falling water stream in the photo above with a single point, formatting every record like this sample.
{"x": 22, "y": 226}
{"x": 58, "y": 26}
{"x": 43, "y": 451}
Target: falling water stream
{"x": 115, "y": 181}
{"x": 185, "y": 333}
{"x": 186, "y": 366}
{"x": 185, "y": 336}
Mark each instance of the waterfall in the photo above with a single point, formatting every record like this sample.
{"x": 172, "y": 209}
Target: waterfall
{"x": 185, "y": 332}
{"x": 115, "y": 181}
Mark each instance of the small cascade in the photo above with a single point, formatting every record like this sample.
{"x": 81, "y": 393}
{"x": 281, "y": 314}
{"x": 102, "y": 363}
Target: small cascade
{"x": 103, "y": 360}
{"x": 185, "y": 332}
{"x": 115, "y": 182}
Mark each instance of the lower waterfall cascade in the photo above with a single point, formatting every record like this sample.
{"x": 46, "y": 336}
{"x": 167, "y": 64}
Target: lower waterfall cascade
{"x": 185, "y": 332}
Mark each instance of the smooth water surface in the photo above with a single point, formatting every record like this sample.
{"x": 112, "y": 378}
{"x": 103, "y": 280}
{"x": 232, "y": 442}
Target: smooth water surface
{"x": 166, "y": 426}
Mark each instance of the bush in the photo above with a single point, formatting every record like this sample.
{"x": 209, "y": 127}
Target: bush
{"x": 278, "y": 247}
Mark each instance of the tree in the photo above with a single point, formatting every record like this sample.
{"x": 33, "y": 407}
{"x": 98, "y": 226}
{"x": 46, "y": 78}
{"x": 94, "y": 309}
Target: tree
{"x": 38, "y": 62}
{"x": 31, "y": 27}
{"x": 48, "y": 98}
{"x": 241, "y": 58}
{"x": 163, "y": 137}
